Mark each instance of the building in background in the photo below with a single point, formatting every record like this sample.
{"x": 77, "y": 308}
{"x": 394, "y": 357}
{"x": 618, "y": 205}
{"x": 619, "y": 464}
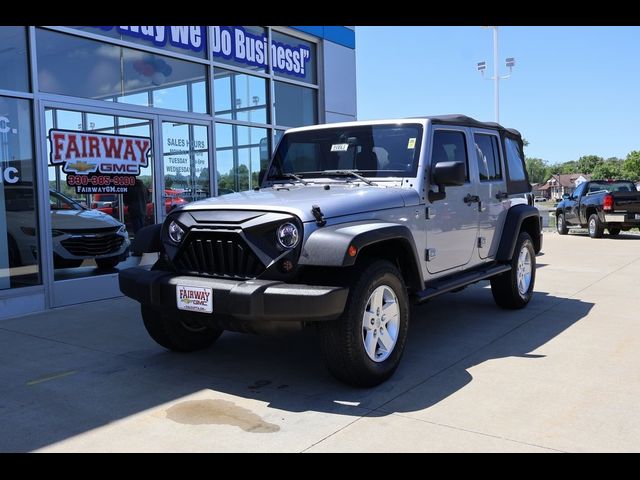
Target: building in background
{"x": 191, "y": 111}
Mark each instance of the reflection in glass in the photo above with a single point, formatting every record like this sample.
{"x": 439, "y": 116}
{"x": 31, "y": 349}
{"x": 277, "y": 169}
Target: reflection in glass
{"x": 19, "y": 251}
{"x": 18, "y": 230}
{"x": 295, "y": 106}
{"x": 240, "y": 153}
{"x": 185, "y": 156}
{"x": 239, "y": 96}
{"x": 13, "y": 59}
{"x": 91, "y": 233}
{"x": 80, "y": 67}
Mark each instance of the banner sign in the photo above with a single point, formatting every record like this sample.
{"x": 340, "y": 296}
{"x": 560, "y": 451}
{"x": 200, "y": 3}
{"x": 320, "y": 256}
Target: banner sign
{"x": 235, "y": 43}
{"x": 229, "y": 42}
{"x": 182, "y": 36}
{"x": 99, "y": 162}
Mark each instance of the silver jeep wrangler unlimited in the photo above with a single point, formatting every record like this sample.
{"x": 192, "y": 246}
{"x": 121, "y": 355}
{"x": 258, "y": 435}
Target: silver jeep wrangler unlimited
{"x": 351, "y": 222}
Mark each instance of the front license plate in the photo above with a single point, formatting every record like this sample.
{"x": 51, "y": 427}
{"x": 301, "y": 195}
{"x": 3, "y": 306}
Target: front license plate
{"x": 194, "y": 299}
{"x": 637, "y": 216}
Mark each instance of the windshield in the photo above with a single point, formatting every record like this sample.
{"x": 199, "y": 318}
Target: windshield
{"x": 58, "y": 201}
{"x": 612, "y": 187}
{"x": 371, "y": 150}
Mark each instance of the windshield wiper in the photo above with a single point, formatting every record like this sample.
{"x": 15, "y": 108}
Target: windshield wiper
{"x": 293, "y": 176}
{"x": 347, "y": 173}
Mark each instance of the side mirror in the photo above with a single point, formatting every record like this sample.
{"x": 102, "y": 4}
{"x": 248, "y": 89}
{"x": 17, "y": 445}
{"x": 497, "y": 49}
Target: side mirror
{"x": 566, "y": 196}
{"x": 449, "y": 174}
{"x": 261, "y": 176}
{"x": 446, "y": 174}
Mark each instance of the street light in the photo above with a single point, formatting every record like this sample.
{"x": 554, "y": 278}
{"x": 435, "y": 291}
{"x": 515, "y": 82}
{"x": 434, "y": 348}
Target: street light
{"x": 482, "y": 66}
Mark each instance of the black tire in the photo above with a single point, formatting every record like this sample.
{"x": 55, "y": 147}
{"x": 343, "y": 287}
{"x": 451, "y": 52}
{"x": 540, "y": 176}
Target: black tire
{"x": 177, "y": 331}
{"x": 596, "y": 229}
{"x": 614, "y": 232}
{"x": 342, "y": 341}
{"x": 561, "y": 224}
{"x": 504, "y": 287}
{"x": 107, "y": 263}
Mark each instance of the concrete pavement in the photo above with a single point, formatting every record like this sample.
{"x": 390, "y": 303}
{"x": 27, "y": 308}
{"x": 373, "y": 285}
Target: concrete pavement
{"x": 561, "y": 375}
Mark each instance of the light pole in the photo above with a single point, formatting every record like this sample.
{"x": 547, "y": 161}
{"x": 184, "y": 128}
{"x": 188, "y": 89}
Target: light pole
{"x": 482, "y": 66}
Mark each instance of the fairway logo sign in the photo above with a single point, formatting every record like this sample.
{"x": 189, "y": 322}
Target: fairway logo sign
{"x": 98, "y": 162}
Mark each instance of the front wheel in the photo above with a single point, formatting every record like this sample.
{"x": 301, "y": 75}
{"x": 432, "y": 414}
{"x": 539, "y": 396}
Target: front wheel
{"x": 514, "y": 289}
{"x": 177, "y": 330}
{"x": 596, "y": 229}
{"x": 364, "y": 346}
{"x": 561, "y": 224}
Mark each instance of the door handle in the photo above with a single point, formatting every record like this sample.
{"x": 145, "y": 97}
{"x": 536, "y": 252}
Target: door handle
{"x": 471, "y": 198}
{"x": 502, "y": 195}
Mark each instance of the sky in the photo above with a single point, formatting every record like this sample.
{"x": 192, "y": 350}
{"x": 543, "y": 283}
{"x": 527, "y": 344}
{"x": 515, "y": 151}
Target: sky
{"x": 574, "y": 90}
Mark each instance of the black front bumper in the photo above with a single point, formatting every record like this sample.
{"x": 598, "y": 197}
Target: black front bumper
{"x": 248, "y": 300}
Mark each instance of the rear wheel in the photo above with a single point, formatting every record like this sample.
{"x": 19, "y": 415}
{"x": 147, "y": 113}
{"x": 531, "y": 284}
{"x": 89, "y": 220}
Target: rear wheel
{"x": 364, "y": 346}
{"x": 178, "y": 331}
{"x": 561, "y": 224}
{"x": 514, "y": 289}
{"x": 614, "y": 232}
{"x": 596, "y": 229}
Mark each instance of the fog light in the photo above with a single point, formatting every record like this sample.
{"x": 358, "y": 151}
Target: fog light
{"x": 175, "y": 232}
{"x": 286, "y": 265}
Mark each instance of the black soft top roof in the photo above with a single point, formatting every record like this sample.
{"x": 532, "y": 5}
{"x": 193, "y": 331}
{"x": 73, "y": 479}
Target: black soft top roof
{"x": 463, "y": 120}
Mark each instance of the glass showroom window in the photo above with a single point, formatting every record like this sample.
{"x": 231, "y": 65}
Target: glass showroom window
{"x": 70, "y": 65}
{"x": 19, "y": 259}
{"x": 239, "y": 96}
{"x": 240, "y": 46}
{"x": 240, "y": 154}
{"x": 298, "y": 64}
{"x": 13, "y": 59}
{"x": 295, "y": 106}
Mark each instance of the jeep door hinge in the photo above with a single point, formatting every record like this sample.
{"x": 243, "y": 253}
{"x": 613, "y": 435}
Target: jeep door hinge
{"x": 429, "y": 254}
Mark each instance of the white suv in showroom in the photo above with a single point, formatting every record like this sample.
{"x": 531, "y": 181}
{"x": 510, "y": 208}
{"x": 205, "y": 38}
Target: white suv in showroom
{"x": 77, "y": 233}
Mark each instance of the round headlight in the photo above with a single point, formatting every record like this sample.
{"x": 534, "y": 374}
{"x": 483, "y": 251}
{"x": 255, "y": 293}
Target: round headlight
{"x": 288, "y": 235}
{"x": 175, "y": 232}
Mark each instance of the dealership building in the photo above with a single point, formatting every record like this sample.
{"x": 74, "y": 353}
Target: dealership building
{"x": 104, "y": 129}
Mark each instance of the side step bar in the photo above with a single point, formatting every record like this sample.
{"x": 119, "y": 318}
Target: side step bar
{"x": 440, "y": 286}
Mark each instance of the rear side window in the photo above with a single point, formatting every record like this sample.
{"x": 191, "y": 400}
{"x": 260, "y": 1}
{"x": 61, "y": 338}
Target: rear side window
{"x": 514, "y": 160}
{"x": 488, "y": 157}
{"x": 450, "y": 146}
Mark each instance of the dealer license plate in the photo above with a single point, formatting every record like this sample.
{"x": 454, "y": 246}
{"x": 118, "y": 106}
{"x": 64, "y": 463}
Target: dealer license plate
{"x": 194, "y": 299}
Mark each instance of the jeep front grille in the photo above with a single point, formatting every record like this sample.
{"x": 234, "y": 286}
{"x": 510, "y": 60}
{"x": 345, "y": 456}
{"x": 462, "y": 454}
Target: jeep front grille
{"x": 218, "y": 254}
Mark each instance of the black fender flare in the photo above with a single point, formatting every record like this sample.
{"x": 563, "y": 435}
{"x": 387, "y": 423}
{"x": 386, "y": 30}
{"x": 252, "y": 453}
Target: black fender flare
{"x": 329, "y": 246}
{"x": 516, "y": 216}
{"x": 147, "y": 239}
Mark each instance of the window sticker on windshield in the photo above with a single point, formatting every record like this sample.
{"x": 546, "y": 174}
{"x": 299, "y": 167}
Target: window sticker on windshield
{"x": 412, "y": 143}
{"x": 339, "y": 147}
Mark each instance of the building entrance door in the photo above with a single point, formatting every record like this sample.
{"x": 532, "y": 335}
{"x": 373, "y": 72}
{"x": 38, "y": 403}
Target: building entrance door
{"x": 101, "y": 191}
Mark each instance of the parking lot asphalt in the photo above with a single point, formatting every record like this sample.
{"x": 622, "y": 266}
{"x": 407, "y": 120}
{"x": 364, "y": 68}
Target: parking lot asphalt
{"x": 562, "y": 374}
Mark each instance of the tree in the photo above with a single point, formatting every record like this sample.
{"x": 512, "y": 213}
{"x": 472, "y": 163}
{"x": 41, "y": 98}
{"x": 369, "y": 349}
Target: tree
{"x": 606, "y": 170}
{"x": 631, "y": 166}
{"x": 537, "y": 169}
{"x": 587, "y": 163}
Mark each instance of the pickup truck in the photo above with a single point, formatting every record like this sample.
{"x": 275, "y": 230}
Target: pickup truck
{"x": 600, "y": 204}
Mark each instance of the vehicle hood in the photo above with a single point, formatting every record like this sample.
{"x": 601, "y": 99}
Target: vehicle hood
{"x": 298, "y": 200}
{"x": 81, "y": 219}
